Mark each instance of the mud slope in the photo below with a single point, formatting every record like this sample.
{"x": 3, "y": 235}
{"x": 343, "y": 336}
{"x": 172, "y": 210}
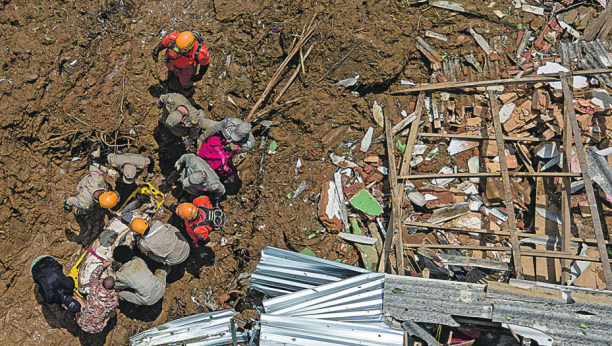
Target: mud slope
{"x": 77, "y": 75}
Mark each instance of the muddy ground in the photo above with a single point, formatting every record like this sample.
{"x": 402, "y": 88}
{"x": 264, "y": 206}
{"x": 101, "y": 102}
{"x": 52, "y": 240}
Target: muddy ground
{"x": 78, "y": 75}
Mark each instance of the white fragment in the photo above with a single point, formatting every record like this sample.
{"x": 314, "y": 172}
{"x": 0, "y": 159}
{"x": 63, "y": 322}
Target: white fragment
{"x": 505, "y": 112}
{"x": 367, "y": 140}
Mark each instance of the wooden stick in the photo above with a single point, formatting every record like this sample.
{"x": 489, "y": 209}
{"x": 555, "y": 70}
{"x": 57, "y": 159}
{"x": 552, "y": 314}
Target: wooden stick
{"x": 487, "y": 174}
{"x": 508, "y": 81}
{"x": 459, "y": 247}
{"x": 481, "y": 137}
{"x": 295, "y": 73}
{"x": 396, "y": 206}
{"x": 336, "y": 65}
{"x": 588, "y": 184}
{"x": 516, "y": 251}
{"x": 280, "y": 70}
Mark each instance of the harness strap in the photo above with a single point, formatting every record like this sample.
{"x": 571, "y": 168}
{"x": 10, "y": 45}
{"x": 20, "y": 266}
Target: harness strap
{"x": 154, "y": 231}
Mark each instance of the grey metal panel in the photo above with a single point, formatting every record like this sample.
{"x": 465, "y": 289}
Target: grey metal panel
{"x": 433, "y": 301}
{"x": 208, "y": 329}
{"x": 281, "y": 270}
{"x": 287, "y": 330}
{"x": 570, "y": 315}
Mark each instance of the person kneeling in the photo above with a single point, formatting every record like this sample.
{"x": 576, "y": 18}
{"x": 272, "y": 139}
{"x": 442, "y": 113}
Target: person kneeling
{"x": 164, "y": 243}
{"x": 133, "y": 274}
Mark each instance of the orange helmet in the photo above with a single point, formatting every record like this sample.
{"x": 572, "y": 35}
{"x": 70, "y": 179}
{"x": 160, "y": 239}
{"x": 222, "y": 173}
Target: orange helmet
{"x": 187, "y": 211}
{"x": 109, "y": 199}
{"x": 185, "y": 41}
{"x": 139, "y": 226}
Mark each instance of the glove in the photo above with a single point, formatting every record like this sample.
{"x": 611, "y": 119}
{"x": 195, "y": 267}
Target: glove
{"x": 196, "y": 78}
{"x": 113, "y": 173}
{"x": 177, "y": 165}
{"x": 159, "y": 104}
{"x": 189, "y": 141}
{"x": 67, "y": 208}
{"x": 96, "y": 154}
{"x": 149, "y": 176}
{"x": 156, "y": 51}
{"x": 173, "y": 207}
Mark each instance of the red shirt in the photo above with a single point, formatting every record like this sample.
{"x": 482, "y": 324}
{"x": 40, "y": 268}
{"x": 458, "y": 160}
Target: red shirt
{"x": 187, "y": 59}
{"x": 199, "y": 232}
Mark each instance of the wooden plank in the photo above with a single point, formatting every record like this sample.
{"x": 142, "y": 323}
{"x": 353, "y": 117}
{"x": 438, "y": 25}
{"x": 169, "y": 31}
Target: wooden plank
{"x": 516, "y": 250}
{"x": 566, "y": 195}
{"x": 482, "y": 137}
{"x": 588, "y": 184}
{"x": 508, "y": 81}
{"x": 487, "y": 174}
{"x": 459, "y": 247}
{"x": 491, "y": 232}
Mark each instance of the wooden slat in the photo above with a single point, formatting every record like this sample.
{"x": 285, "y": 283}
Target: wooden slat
{"x": 566, "y": 196}
{"x": 491, "y": 232}
{"x": 481, "y": 137}
{"x": 516, "y": 251}
{"x": 588, "y": 184}
{"x": 486, "y": 174}
{"x": 508, "y": 81}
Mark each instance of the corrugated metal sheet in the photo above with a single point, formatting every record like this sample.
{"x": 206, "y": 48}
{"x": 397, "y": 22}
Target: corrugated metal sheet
{"x": 358, "y": 299}
{"x": 570, "y": 315}
{"x": 433, "y": 301}
{"x": 298, "y": 331}
{"x": 280, "y": 272}
{"x": 211, "y": 329}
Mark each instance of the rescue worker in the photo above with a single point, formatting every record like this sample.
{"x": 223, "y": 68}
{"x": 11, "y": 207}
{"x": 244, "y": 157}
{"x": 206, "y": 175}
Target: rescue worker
{"x": 57, "y": 288}
{"x": 197, "y": 176}
{"x": 184, "y": 52}
{"x": 129, "y": 165}
{"x": 200, "y": 218}
{"x": 101, "y": 302}
{"x": 164, "y": 243}
{"x": 181, "y": 118}
{"x": 134, "y": 279}
{"x": 233, "y": 130}
{"x": 92, "y": 190}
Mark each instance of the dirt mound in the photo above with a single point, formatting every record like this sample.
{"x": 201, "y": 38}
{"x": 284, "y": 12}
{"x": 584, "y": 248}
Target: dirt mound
{"x": 77, "y": 76}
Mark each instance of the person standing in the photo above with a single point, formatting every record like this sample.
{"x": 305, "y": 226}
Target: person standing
{"x": 101, "y": 302}
{"x": 57, "y": 288}
{"x": 184, "y": 52}
{"x": 181, "y": 118}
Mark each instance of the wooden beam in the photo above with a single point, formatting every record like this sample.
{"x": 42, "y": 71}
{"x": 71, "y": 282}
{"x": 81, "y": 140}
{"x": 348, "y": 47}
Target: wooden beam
{"x": 459, "y": 247}
{"x": 516, "y": 250}
{"x": 588, "y": 184}
{"x": 486, "y": 175}
{"x": 566, "y": 195}
{"x": 481, "y": 137}
{"x": 491, "y": 232}
{"x": 508, "y": 81}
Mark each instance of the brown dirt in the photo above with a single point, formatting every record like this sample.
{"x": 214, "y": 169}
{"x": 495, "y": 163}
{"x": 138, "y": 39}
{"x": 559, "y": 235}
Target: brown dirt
{"x": 78, "y": 74}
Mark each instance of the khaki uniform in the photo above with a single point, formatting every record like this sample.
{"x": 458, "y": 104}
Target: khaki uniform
{"x": 197, "y": 176}
{"x": 175, "y": 122}
{"x": 85, "y": 189}
{"x": 140, "y": 162}
{"x": 165, "y": 244}
{"x": 215, "y": 128}
{"x": 135, "y": 275}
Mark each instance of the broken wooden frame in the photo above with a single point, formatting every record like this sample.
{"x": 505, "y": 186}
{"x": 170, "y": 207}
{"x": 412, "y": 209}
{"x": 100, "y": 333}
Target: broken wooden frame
{"x": 570, "y": 129}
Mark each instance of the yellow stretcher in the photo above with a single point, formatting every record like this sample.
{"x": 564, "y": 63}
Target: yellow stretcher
{"x": 145, "y": 189}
